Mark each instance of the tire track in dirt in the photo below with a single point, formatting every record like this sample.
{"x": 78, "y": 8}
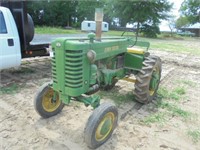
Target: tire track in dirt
{"x": 20, "y": 126}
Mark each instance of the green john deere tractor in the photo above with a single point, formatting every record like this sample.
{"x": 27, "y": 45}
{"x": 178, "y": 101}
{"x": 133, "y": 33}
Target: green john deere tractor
{"x": 82, "y": 67}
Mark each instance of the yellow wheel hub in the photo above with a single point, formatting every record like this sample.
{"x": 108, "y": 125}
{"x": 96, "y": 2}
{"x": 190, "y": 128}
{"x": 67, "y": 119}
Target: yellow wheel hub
{"x": 48, "y": 103}
{"x": 105, "y": 126}
{"x": 154, "y": 81}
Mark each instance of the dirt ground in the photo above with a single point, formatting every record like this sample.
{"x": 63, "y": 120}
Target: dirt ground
{"x": 168, "y": 123}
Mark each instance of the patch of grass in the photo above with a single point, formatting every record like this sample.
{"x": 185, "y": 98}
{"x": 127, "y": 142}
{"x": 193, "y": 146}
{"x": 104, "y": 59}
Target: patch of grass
{"x": 175, "y": 94}
{"x": 10, "y": 89}
{"x": 194, "y": 134}
{"x": 174, "y": 110}
{"x": 176, "y": 45}
{"x": 55, "y": 30}
{"x": 117, "y": 97}
{"x": 154, "y": 118}
{"x": 187, "y": 82}
{"x": 23, "y": 70}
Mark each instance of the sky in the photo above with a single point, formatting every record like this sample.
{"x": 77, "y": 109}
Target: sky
{"x": 175, "y": 11}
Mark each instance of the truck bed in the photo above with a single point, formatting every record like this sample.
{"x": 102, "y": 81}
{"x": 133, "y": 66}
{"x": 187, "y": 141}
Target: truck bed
{"x": 48, "y": 38}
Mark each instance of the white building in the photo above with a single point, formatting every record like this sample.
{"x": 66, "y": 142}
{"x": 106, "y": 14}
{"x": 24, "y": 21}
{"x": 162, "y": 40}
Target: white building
{"x": 91, "y": 26}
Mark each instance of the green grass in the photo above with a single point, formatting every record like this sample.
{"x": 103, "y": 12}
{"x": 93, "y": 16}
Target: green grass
{"x": 187, "y": 82}
{"x": 117, "y": 97}
{"x": 175, "y": 94}
{"x": 162, "y": 43}
{"x": 194, "y": 134}
{"x": 167, "y": 102}
{"x": 10, "y": 89}
{"x": 154, "y": 118}
{"x": 55, "y": 30}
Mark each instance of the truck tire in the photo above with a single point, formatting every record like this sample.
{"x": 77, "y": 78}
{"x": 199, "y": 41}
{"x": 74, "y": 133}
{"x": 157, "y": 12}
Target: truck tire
{"x": 148, "y": 79}
{"x": 29, "y": 29}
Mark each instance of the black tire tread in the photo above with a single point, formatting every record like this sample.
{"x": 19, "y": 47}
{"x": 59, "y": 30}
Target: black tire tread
{"x": 38, "y": 102}
{"x": 143, "y": 79}
{"x": 93, "y": 122}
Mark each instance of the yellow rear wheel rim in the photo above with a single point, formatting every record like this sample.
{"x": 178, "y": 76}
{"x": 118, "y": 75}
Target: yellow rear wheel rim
{"x": 47, "y": 101}
{"x": 153, "y": 89}
{"x": 105, "y": 126}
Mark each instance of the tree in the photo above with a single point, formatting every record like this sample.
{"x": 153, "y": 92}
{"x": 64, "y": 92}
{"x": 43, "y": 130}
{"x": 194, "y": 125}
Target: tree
{"x": 150, "y": 30}
{"x": 181, "y": 21}
{"x": 172, "y": 24}
{"x": 191, "y": 9}
{"x": 140, "y": 12}
{"x": 86, "y": 10}
{"x": 53, "y": 13}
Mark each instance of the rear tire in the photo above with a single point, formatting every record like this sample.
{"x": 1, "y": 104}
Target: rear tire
{"x": 101, "y": 125}
{"x": 148, "y": 79}
{"x": 29, "y": 29}
{"x": 44, "y": 104}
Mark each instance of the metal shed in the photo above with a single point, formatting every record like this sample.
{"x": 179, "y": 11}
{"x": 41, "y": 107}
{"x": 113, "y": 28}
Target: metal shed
{"x": 195, "y": 28}
{"x": 91, "y": 26}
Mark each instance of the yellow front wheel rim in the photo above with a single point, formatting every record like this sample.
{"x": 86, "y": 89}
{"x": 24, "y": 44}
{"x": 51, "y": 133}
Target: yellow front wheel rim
{"x": 105, "y": 126}
{"x": 47, "y": 101}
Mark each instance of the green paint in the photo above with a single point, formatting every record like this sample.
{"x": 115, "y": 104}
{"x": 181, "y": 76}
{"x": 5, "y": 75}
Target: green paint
{"x": 78, "y": 65}
{"x": 106, "y": 127}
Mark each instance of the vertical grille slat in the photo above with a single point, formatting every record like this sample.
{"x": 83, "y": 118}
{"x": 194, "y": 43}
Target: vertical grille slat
{"x": 73, "y": 68}
{"x": 53, "y": 63}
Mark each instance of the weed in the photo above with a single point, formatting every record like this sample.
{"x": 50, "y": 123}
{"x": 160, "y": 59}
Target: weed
{"x": 10, "y": 89}
{"x": 179, "y": 90}
{"x": 23, "y": 70}
{"x": 118, "y": 98}
{"x": 174, "y": 94}
{"x": 158, "y": 117}
{"x": 187, "y": 82}
{"x": 194, "y": 134}
{"x": 173, "y": 109}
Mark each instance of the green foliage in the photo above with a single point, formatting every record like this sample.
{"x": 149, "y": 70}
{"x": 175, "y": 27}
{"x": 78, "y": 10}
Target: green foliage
{"x": 188, "y": 82}
{"x": 136, "y": 11}
{"x": 175, "y": 94}
{"x": 9, "y": 89}
{"x": 140, "y": 12}
{"x": 53, "y": 13}
{"x": 182, "y": 21}
{"x": 86, "y": 9}
{"x": 73, "y": 12}
{"x": 154, "y": 118}
{"x": 194, "y": 134}
{"x": 150, "y": 31}
{"x": 118, "y": 98}
{"x": 191, "y": 9}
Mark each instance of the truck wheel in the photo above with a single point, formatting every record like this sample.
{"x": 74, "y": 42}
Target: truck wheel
{"x": 44, "y": 103}
{"x": 148, "y": 79}
{"x": 100, "y": 125}
{"x": 29, "y": 29}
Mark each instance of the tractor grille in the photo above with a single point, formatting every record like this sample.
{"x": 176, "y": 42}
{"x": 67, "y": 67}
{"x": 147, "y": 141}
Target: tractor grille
{"x": 54, "y": 74}
{"x": 73, "y": 68}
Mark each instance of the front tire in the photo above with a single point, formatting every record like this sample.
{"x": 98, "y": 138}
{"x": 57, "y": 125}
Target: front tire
{"x": 101, "y": 125}
{"x": 148, "y": 79}
{"x": 44, "y": 104}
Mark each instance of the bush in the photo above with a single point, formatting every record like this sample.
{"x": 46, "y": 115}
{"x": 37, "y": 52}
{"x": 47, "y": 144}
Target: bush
{"x": 150, "y": 30}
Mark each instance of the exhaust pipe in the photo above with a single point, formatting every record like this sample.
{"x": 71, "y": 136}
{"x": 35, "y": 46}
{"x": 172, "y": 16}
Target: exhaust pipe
{"x": 99, "y": 20}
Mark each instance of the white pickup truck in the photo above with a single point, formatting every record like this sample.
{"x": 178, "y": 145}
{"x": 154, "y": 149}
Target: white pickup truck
{"x": 16, "y": 33}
